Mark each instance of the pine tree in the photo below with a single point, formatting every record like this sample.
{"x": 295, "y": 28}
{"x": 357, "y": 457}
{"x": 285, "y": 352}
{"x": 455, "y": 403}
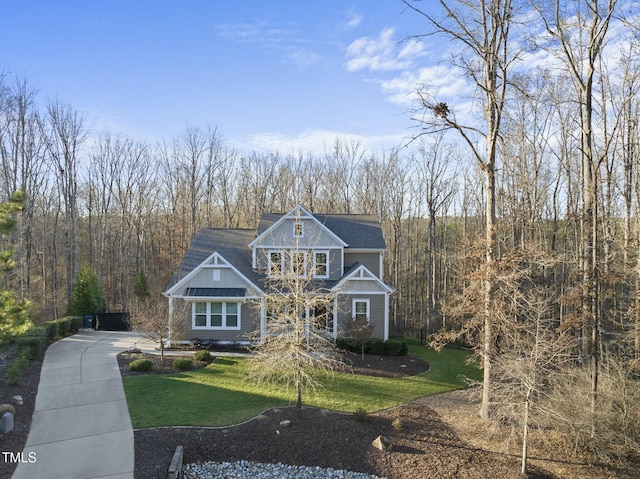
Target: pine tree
{"x": 87, "y": 296}
{"x": 14, "y": 312}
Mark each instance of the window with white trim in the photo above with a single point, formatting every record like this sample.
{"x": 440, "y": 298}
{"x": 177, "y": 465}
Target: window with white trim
{"x": 298, "y": 229}
{"x": 275, "y": 263}
{"x": 321, "y": 264}
{"x": 218, "y": 315}
{"x": 361, "y": 309}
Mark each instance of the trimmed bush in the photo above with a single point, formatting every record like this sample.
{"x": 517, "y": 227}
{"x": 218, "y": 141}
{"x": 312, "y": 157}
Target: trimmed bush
{"x": 343, "y": 344}
{"x": 18, "y": 366}
{"x": 141, "y": 365}
{"x": 183, "y": 364}
{"x": 34, "y": 343}
{"x": 395, "y": 347}
{"x": 203, "y": 355}
{"x": 375, "y": 346}
{"x": 77, "y": 322}
{"x": 64, "y": 326}
{"x": 391, "y": 347}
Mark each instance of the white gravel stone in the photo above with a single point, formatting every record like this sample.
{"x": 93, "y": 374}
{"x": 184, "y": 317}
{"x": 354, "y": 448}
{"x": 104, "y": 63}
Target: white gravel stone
{"x": 255, "y": 470}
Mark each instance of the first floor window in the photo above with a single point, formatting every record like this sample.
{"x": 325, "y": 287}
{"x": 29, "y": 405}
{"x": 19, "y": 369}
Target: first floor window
{"x": 361, "y": 309}
{"x": 200, "y": 315}
{"x": 219, "y": 315}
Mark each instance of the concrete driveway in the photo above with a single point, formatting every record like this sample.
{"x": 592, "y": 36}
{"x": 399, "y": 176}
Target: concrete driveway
{"x": 81, "y": 426}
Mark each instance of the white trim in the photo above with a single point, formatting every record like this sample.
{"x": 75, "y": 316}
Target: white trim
{"x": 297, "y": 213}
{"x": 365, "y": 250}
{"x": 295, "y": 229}
{"x": 222, "y": 262}
{"x": 327, "y": 264}
{"x": 269, "y": 263}
{"x": 358, "y": 275}
{"x": 361, "y": 300}
{"x": 335, "y": 317}
{"x": 386, "y": 317}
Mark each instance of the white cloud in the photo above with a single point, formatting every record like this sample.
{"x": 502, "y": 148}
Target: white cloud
{"x": 354, "y": 20}
{"x": 382, "y": 53}
{"x": 445, "y": 83}
{"x": 315, "y": 141}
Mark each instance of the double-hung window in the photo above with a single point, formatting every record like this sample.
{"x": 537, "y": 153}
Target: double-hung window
{"x": 321, "y": 264}
{"x": 219, "y": 315}
{"x": 361, "y": 309}
{"x": 275, "y": 263}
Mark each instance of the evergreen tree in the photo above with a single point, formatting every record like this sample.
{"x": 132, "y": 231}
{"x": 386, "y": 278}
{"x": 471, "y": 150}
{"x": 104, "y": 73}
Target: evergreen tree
{"x": 14, "y": 317}
{"x": 87, "y": 296}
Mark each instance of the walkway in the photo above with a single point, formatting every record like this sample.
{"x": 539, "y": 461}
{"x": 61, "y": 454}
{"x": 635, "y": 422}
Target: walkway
{"x": 81, "y": 427}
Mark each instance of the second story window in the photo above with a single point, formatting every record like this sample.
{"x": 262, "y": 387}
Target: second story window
{"x": 320, "y": 259}
{"x": 298, "y": 229}
{"x": 275, "y": 263}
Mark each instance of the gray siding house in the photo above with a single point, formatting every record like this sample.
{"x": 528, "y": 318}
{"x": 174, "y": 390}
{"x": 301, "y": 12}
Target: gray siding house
{"x": 216, "y": 292}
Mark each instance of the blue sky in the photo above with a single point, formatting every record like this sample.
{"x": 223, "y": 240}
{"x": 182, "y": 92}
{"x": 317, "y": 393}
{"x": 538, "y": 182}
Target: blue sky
{"x": 275, "y": 75}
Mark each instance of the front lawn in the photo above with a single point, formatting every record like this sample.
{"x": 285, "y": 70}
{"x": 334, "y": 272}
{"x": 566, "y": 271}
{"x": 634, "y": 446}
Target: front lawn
{"x": 218, "y": 395}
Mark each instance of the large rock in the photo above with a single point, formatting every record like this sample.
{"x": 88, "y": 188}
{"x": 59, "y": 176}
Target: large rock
{"x": 7, "y": 408}
{"x": 6, "y": 423}
{"x": 382, "y": 443}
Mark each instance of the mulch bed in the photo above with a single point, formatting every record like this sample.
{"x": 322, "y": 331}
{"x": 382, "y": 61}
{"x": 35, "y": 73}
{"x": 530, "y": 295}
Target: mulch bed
{"x": 28, "y": 388}
{"x": 435, "y": 437}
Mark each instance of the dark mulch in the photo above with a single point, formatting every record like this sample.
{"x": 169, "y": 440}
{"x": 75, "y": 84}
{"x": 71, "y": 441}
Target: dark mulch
{"x": 160, "y": 366}
{"x": 436, "y": 437}
{"x": 423, "y": 446}
{"x": 28, "y": 388}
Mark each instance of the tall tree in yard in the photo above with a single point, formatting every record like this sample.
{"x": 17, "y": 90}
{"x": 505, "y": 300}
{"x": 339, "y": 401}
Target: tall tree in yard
{"x": 482, "y": 30}
{"x": 13, "y": 312}
{"x": 295, "y": 344}
{"x": 577, "y": 31}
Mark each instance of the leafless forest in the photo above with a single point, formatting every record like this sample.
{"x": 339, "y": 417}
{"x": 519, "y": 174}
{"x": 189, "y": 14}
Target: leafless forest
{"x": 524, "y": 214}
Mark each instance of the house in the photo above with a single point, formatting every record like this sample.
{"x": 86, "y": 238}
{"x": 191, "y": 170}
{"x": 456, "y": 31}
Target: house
{"x": 217, "y": 292}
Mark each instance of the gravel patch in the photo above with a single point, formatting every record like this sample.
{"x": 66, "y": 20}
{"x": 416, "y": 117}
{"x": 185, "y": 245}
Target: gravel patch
{"x": 255, "y": 470}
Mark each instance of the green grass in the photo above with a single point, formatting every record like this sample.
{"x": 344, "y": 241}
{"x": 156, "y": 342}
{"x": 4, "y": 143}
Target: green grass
{"x": 218, "y": 395}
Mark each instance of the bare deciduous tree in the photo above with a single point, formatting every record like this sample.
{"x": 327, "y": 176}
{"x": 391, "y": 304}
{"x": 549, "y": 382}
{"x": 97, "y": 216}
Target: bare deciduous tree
{"x": 294, "y": 345}
{"x": 482, "y": 29}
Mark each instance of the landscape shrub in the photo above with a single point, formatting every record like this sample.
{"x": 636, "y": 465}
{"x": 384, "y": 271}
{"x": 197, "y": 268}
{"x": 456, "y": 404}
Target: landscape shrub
{"x": 53, "y": 328}
{"x": 34, "y": 343}
{"x": 361, "y": 414}
{"x": 343, "y": 344}
{"x": 64, "y": 326}
{"x": 183, "y": 364}
{"x": 203, "y": 355}
{"x": 395, "y": 347}
{"x": 18, "y": 366}
{"x": 77, "y": 322}
{"x": 375, "y": 346}
{"x": 391, "y": 347}
{"x": 141, "y": 365}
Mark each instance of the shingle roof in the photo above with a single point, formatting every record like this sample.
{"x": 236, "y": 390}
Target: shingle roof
{"x": 231, "y": 244}
{"x": 358, "y": 231}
